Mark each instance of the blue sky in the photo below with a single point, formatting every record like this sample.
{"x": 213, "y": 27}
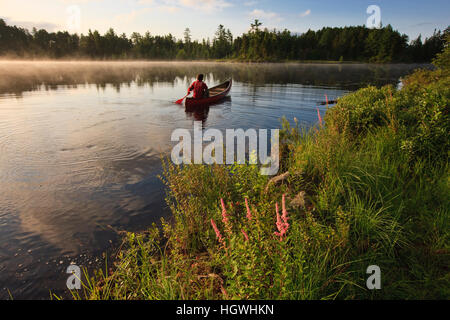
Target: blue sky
{"x": 203, "y": 16}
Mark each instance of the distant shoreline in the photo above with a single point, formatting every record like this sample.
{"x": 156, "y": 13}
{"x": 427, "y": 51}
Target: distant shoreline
{"x": 231, "y": 61}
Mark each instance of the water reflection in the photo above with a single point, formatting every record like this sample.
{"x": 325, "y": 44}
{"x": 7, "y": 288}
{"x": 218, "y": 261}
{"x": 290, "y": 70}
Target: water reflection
{"x": 198, "y": 113}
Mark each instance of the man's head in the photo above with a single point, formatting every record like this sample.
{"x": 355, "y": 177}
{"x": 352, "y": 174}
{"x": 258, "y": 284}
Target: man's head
{"x": 200, "y": 77}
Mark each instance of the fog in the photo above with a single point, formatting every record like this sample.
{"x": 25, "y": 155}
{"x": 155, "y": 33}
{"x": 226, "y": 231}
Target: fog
{"x": 18, "y": 76}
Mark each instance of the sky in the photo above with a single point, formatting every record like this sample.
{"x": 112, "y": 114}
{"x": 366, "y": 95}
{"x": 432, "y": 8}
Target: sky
{"x": 202, "y": 17}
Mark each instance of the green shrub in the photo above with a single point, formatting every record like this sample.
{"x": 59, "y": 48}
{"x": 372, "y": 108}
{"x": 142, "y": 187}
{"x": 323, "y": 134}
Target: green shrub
{"x": 360, "y": 111}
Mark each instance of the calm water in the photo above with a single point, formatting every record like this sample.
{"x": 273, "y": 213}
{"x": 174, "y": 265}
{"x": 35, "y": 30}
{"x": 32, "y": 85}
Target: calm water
{"x": 80, "y": 145}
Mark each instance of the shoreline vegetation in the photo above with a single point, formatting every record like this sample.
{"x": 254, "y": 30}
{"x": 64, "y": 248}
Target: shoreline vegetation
{"x": 333, "y": 45}
{"x": 367, "y": 186}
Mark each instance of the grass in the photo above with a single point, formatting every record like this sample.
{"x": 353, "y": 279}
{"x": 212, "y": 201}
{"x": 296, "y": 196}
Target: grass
{"x": 369, "y": 187}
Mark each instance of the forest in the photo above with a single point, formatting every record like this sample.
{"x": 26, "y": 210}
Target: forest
{"x": 354, "y": 43}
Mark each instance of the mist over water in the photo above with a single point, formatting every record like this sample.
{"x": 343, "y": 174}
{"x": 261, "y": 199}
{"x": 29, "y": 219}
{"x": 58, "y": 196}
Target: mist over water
{"x": 80, "y": 146}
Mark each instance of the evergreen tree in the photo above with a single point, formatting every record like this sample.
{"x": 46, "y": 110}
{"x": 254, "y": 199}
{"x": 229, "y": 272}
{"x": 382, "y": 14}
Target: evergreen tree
{"x": 356, "y": 43}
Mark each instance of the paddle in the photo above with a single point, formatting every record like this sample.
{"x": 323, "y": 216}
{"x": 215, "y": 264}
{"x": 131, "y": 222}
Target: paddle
{"x": 181, "y": 100}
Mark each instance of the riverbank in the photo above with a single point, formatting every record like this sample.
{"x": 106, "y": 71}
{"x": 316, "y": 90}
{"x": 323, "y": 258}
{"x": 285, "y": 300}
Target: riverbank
{"x": 367, "y": 186}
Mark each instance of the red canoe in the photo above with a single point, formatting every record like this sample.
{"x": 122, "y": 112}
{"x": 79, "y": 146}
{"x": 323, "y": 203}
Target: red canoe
{"x": 216, "y": 94}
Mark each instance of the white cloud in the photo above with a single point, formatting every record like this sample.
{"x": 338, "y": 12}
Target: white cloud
{"x": 78, "y": 1}
{"x": 206, "y": 5}
{"x": 31, "y": 24}
{"x": 306, "y": 13}
{"x": 250, "y": 3}
{"x": 130, "y": 16}
{"x": 173, "y": 6}
{"x": 261, "y": 14}
{"x": 170, "y": 9}
{"x": 145, "y": 1}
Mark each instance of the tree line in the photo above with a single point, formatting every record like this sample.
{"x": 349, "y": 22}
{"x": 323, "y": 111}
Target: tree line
{"x": 356, "y": 43}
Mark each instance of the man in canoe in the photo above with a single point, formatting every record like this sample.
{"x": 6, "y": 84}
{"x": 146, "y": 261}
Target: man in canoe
{"x": 199, "y": 87}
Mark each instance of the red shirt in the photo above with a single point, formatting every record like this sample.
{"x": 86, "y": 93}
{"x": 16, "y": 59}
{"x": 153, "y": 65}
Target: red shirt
{"x": 199, "y": 88}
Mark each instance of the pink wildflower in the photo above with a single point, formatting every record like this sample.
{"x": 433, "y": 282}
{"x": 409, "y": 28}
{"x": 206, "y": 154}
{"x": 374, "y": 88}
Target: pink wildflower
{"x": 225, "y": 219}
{"x": 249, "y": 214}
{"x": 218, "y": 235}
{"x": 279, "y": 222}
{"x": 285, "y": 213}
{"x": 224, "y": 212}
{"x": 320, "y": 118}
{"x": 282, "y": 224}
{"x": 326, "y": 98}
{"x": 245, "y": 234}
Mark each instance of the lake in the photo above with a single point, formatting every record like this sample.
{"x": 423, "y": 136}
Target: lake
{"x": 80, "y": 147}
